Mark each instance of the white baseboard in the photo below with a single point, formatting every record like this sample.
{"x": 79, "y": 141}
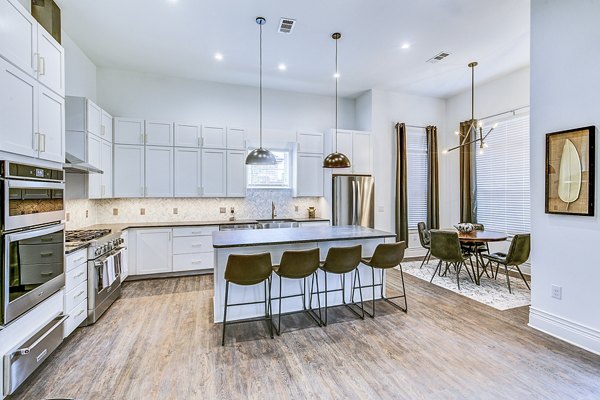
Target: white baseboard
{"x": 564, "y": 329}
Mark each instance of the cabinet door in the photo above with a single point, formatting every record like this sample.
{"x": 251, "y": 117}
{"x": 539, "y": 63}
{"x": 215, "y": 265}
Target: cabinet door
{"x": 309, "y": 142}
{"x": 129, "y": 131}
{"x": 159, "y": 171}
{"x": 159, "y": 133}
{"x": 309, "y": 181}
{"x": 214, "y": 165}
{"x": 128, "y": 171}
{"x": 94, "y": 149}
{"x": 187, "y": 135}
{"x": 187, "y": 173}
{"x": 154, "y": 251}
{"x": 51, "y": 125}
{"x": 236, "y": 173}
{"x": 214, "y": 137}
{"x": 361, "y": 153}
{"x": 236, "y": 138}
{"x": 18, "y": 111}
{"x": 106, "y": 127}
{"x": 18, "y": 36}
{"x": 93, "y": 118}
{"x": 107, "y": 168}
{"x": 344, "y": 146}
{"x": 51, "y": 62}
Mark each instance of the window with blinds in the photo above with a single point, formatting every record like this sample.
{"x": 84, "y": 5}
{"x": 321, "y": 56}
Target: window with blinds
{"x": 416, "y": 177}
{"x": 503, "y": 182}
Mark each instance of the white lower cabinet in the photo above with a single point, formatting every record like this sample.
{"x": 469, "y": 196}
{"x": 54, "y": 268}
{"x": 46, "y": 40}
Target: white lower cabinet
{"x": 128, "y": 170}
{"x": 159, "y": 171}
{"x": 154, "y": 251}
{"x": 187, "y": 166}
{"x": 75, "y": 293}
{"x": 193, "y": 261}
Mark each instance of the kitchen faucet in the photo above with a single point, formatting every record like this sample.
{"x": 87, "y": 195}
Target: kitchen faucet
{"x": 273, "y": 214}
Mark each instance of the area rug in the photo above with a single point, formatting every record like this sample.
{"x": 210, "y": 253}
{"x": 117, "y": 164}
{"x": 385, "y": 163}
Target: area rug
{"x": 491, "y": 292}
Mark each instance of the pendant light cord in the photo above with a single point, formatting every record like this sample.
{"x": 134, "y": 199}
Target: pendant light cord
{"x": 260, "y": 87}
{"x": 337, "y": 76}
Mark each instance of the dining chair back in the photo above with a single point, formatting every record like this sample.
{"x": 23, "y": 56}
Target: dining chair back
{"x": 445, "y": 246}
{"x": 424, "y": 236}
{"x": 519, "y": 250}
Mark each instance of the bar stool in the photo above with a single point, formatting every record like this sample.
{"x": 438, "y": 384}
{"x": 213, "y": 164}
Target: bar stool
{"x": 386, "y": 256}
{"x": 341, "y": 261}
{"x": 246, "y": 270}
{"x": 298, "y": 264}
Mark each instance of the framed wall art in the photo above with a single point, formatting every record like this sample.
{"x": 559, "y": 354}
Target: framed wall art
{"x": 570, "y": 171}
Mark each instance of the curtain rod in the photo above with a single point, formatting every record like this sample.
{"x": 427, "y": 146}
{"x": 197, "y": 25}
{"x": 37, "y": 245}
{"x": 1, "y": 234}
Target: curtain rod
{"x": 416, "y": 126}
{"x": 513, "y": 111}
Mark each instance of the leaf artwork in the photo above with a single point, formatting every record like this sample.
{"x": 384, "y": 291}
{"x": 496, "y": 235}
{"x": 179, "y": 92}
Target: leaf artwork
{"x": 569, "y": 175}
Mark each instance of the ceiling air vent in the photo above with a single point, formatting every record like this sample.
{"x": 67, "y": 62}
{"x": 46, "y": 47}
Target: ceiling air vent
{"x": 438, "y": 57}
{"x": 286, "y": 25}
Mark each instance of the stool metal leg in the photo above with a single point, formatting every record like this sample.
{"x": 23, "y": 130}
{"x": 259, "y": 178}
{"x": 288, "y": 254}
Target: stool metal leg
{"x": 225, "y": 313}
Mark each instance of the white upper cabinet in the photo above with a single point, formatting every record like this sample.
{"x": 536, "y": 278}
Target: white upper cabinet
{"x": 94, "y": 146}
{"x": 236, "y": 173}
{"x": 187, "y": 135}
{"x": 51, "y": 125}
{"x": 309, "y": 175}
{"x": 18, "y": 36}
{"x": 159, "y": 171}
{"x": 50, "y": 62}
{"x": 236, "y": 138}
{"x": 344, "y": 146}
{"x": 106, "y": 128}
{"x": 94, "y": 118}
{"x": 18, "y": 110}
{"x": 129, "y": 131}
{"x": 159, "y": 133}
{"x": 310, "y": 142}
{"x": 106, "y": 190}
{"x": 214, "y": 166}
{"x": 361, "y": 153}
{"x": 187, "y": 173}
{"x": 128, "y": 171}
{"x": 214, "y": 137}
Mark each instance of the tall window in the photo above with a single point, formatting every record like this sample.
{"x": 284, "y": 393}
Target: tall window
{"x": 271, "y": 176}
{"x": 416, "y": 161}
{"x": 503, "y": 183}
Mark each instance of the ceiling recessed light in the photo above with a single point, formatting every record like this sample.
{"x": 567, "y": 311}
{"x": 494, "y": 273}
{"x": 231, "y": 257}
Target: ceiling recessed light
{"x": 405, "y": 46}
{"x": 218, "y": 56}
{"x": 282, "y": 67}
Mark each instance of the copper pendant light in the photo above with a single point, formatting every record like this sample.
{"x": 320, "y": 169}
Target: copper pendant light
{"x": 335, "y": 159}
{"x": 260, "y": 156}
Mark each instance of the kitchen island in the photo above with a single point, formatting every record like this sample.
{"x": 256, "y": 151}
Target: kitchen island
{"x": 276, "y": 241}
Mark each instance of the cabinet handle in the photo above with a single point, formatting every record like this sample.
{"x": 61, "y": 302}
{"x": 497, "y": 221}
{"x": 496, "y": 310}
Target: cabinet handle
{"x": 36, "y": 62}
{"x": 36, "y": 141}
{"x": 102, "y": 130}
{"x": 47, "y": 273}
{"x": 42, "y": 142}
{"x": 79, "y": 294}
{"x": 199, "y": 142}
{"x": 197, "y": 262}
{"x": 79, "y": 274}
{"x": 42, "y": 68}
{"x": 79, "y": 313}
{"x": 197, "y": 245}
{"x": 78, "y": 259}
{"x": 47, "y": 254}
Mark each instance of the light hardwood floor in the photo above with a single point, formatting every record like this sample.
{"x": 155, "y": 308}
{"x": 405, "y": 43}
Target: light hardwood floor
{"x": 158, "y": 342}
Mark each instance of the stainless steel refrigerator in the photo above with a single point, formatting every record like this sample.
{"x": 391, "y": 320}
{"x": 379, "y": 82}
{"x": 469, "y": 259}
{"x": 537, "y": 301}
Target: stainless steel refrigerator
{"x": 354, "y": 200}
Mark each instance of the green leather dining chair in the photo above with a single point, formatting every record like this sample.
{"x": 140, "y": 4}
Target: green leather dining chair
{"x": 425, "y": 240}
{"x": 445, "y": 246}
{"x": 518, "y": 254}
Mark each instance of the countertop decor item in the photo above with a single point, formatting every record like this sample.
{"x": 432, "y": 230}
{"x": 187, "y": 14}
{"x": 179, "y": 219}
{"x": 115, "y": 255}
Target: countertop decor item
{"x": 570, "y": 171}
{"x": 335, "y": 159}
{"x": 260, "y": 156}
{"x": 312, "y": 212}
{"x": 47, "y": 13}
{"x": 465, "y": 227}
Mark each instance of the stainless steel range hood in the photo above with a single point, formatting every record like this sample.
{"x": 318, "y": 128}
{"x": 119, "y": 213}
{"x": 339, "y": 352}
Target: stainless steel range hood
{"x": 74, "y": 164}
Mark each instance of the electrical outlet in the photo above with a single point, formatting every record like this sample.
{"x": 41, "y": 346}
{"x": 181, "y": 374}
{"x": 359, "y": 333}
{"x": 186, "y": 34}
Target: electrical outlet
{"x": 115, "y": 211}
{"x": 142, "y": 211}
{"x": 557, "y": 292}
{"x": 175, "y": 210}
{"x": 222, "y": 210}
{"x": 87, "y": 213}
{"x": 296, "y": 208}
{"x": 68, "y": 216}
{"x": 380, "y": 209}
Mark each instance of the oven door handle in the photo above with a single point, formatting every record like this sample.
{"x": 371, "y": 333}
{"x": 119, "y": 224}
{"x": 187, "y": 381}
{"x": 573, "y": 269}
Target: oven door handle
{"x": 26, "y": 350}
{"x": 13, "y": 237}
{"x": 14, "y": 184}
{"x": 113, "y": 252}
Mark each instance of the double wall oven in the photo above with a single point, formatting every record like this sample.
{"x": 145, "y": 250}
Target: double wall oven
{"x": 32, "y": 237}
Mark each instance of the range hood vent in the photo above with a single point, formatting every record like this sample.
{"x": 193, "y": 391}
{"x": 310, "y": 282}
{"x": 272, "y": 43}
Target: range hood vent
{"x": 75, "y": 165}
{"x": 286, "y": 25}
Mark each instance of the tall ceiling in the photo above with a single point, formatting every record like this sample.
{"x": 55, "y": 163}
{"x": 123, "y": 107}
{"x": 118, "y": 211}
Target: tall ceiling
{"x": 180, "y": 38}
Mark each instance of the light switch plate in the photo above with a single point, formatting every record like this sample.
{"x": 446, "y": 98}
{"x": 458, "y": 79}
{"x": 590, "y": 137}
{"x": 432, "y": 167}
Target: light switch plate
{"x": 115, "y": 211}
{"x": 380, "y": 209}
{"x": 222, "y": 210}
{"x": 175, "y": 210}
{"x": 68, "y": 216}
{"x": 142, "y": 211}
{"x": 296, "y": 208}
{"x": 557, "y": 292}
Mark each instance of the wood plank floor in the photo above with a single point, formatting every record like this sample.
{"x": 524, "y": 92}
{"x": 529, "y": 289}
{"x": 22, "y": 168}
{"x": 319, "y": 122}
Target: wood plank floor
{"x": 157, "y": 342}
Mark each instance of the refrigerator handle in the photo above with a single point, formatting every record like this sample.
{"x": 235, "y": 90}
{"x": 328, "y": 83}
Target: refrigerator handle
{"x": 359, "y": 210}
{"x": 353, "y": 212}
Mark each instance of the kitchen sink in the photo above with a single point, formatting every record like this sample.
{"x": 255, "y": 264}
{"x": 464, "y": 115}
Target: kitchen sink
{"x": 275, "y": 224}
{"x": 274, "y": 221}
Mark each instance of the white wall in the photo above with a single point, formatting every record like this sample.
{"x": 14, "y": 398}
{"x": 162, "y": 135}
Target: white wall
{"x": 80, "y": 71}
{"x": 499, "y": 95}
{"x": 564, "y": 89}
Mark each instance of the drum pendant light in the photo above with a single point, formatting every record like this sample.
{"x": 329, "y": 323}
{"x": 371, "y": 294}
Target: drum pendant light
{"x": 335, "y": 159}
{"x": 260, "y": 156}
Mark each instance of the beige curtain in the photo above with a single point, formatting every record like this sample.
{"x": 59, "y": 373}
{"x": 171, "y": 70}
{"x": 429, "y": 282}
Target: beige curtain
{"x": 433, "y": 200}
{"x": 468, "y": 206}
{"x": 401, "y": 204}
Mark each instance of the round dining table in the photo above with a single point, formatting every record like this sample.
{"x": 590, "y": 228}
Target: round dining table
{"x": 481, "y": 237}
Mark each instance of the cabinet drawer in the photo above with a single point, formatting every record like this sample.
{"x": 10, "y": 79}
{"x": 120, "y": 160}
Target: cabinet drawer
{"x": 187, "y": 262}
{"x": 75, "y": 259}
{"x": 76, "y": 317}
{"x": 75, "y": 277}
{"x": 75, "y": 296}
{"x": 195, "y": 231}
{"x": 192, "y": 244}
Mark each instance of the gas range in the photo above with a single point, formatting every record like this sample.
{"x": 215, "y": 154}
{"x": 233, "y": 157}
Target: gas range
{"x": 99, "y": 241}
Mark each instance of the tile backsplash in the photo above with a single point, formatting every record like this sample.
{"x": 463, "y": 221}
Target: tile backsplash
{"x": 256, "y": 204}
